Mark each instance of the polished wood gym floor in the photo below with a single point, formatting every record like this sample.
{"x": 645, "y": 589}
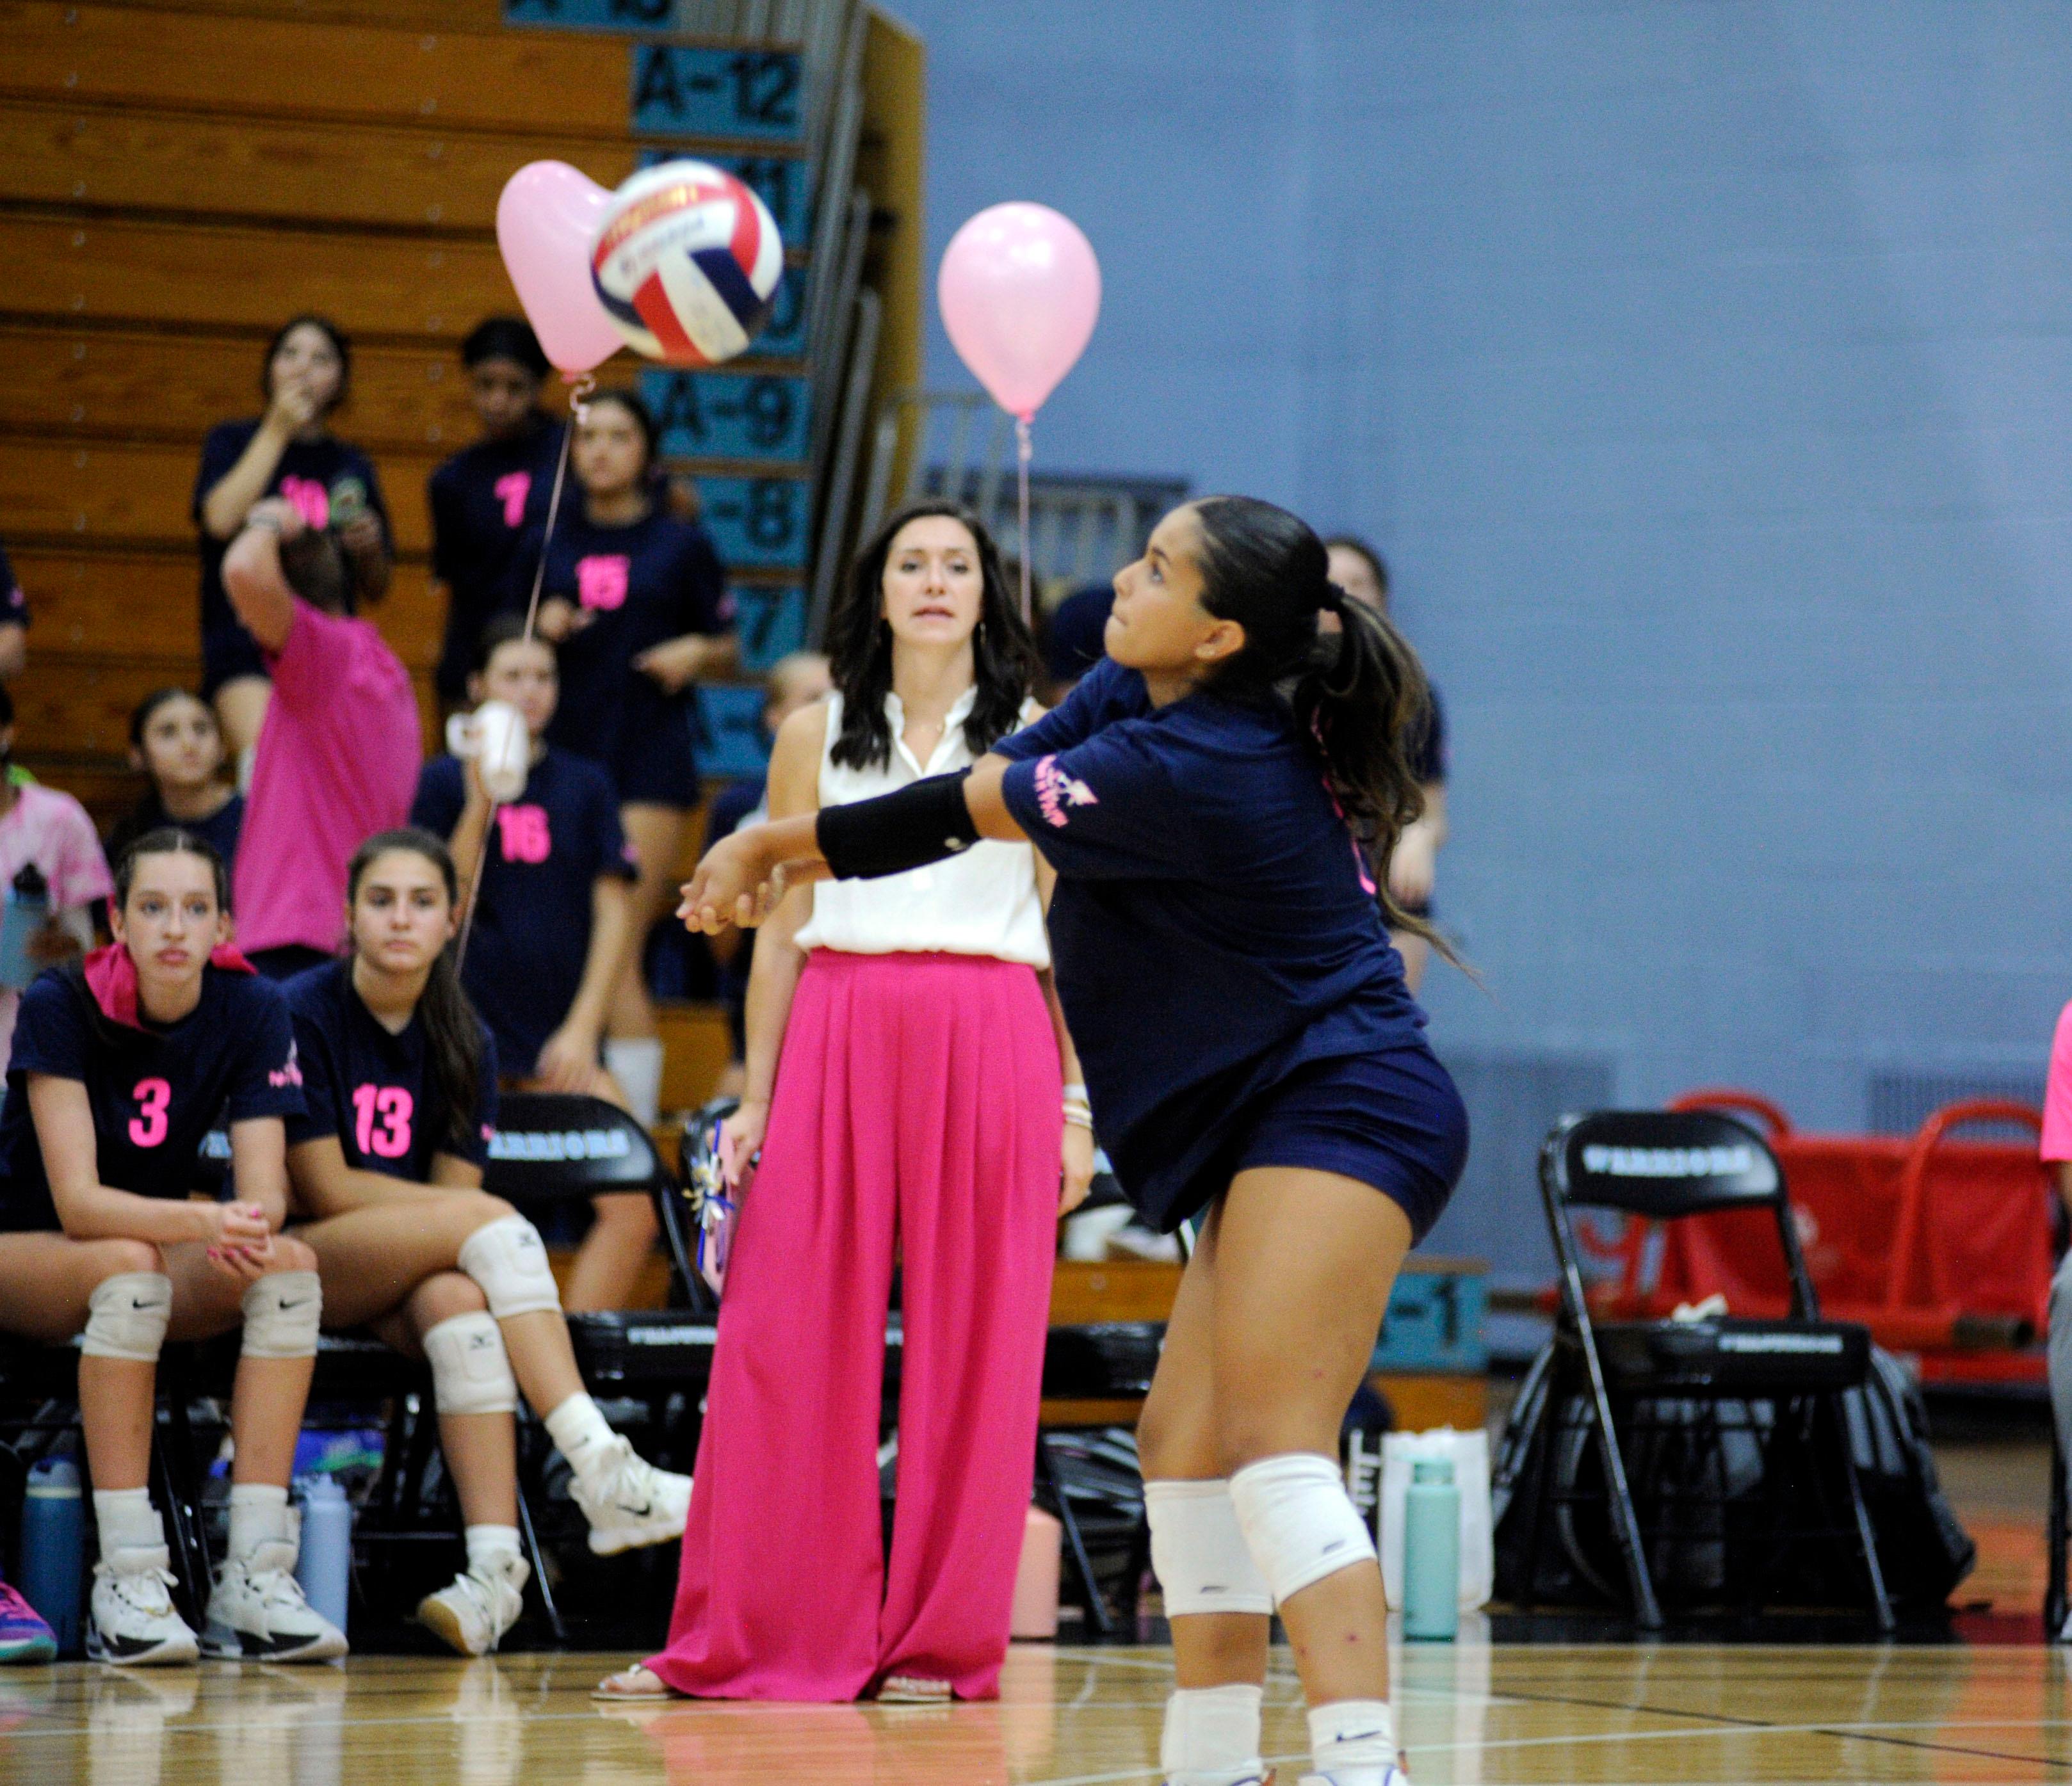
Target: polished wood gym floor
{"x": 1068, "y": 1716}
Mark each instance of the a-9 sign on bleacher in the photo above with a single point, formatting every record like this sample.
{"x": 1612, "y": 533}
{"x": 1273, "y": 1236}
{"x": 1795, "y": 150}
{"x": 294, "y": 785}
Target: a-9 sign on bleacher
{"x": 730, "y": 415}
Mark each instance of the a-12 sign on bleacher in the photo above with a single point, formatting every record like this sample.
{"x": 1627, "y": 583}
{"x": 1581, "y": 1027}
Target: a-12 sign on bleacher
{"x": 688, "y": 90}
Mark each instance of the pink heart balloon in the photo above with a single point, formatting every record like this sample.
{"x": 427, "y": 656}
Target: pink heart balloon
{"x": 546, "y": 219}
{"x": 1019, "y": 289}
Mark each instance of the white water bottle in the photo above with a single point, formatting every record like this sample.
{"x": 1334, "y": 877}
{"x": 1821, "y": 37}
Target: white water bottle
{"x": 324, "y": 1565}
{"x": 495, "y": 735}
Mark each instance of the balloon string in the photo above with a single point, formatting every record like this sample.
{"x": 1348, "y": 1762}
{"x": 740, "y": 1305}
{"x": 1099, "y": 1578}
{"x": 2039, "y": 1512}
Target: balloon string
{"x": 579, "y": 413}
{"x": 1022, "y": 450}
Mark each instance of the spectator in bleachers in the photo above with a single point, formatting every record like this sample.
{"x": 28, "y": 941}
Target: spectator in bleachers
{"x": 122, "y": 1066}
{"x": 483, "y": 497}
{"x": 553, "y": 925}
{"x": 337, "y": 754}
{"x": 1363, "y": 573}
{"x": 14, "y": 621}
{"x": 794, "y": 682}
{"x": 175, "y": 740}
{"x": 637, "y": 599}
{"x": 42, "y": 828}
{"x": 907, "y": 1059}
{"x": 290, "y": 453}
{"x": 1073, "y": 635}
{"x": 399, "y": 1076}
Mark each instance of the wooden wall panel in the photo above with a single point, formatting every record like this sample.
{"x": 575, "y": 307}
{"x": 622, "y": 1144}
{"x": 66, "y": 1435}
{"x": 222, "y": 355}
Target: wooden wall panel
{"x": 175, "y": 388}
{"x": 285, "y": 68}
{"x": 449, "y": 15}
{"x": 121, "y": 270}
{"x": 311, "y": 173}
{"x": 140, "y": 495}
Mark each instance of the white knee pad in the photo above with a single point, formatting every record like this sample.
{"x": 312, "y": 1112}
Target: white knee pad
{"x": 507, "y": 1258}
{"x": 282, "y": 1312}
{"x": 1298, "y": 1521}
{"x": 1199, "y": 1552}
{"x": 126, "y": 1317}
{"x": 471, "y": 1369}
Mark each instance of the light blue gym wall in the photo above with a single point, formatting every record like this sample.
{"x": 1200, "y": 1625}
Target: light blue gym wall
{"x": 1706, "y": 371}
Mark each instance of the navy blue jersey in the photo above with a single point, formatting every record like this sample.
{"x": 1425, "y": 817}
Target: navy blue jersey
{"x": 1427, "y": 746}
{"x": 220, "y": 828}
{"x": 546, "y": 850}
{"x": 316, "y": 475}
{"x": 483, "y": 499}
{"x": 156, "y": 1091}
{"x": 14, "y": 604}
{"x": 656, "y": 580}
{"x": 1213, "y": 926}
{"x": 375, "y": 1090}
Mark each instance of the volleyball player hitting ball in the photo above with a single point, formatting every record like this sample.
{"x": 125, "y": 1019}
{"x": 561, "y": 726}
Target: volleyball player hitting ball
{"x": 1251, "y": 1052}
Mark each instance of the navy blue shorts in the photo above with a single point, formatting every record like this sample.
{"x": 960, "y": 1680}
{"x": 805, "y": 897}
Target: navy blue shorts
{"x": 227, "y": 653}
{"x": 1392, "y": 1120}
{"x": 655, "y": 763}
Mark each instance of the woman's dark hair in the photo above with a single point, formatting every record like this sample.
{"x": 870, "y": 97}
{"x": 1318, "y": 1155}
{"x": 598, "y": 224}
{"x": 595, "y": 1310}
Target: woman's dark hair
{"x": 502, "y": 630}
{"x": 149, "y": 706}
{"x": 643, "y": 419}
{"x": 170, "y": 840}
{"x": 313, "y": 563}
{"x": 1354, "y": 544}
{"x": 1361, "y": 696}
{"x": 504, "y": 337}
{"x": 859, "y": 647}
{"x": 453, "y": 1032}
{"x": 341, "y": 345}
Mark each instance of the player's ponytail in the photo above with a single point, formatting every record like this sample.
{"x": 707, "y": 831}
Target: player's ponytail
{"x": 453, "y": 1031}
{"x": 1361, "y": 694}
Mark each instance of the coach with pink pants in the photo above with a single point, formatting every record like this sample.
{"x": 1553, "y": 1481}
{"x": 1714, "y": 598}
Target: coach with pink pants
{"x": 917, "y": 1116}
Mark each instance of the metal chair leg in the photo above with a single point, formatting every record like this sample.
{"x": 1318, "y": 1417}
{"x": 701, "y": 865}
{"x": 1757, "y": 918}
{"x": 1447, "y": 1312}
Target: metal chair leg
{"x": 538, "y": 1559}
{"x": 179, "y": 1496}
{"x": 1626, "y": 1519}
{"x": 1866, "y": 1538}
{"x": 1075, "y": 1543}
{"x": 2054, "y": 1592}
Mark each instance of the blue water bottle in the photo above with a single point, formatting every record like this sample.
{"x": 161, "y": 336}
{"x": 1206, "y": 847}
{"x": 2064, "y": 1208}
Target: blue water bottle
{"x": 26, "y": 910}
{"x": 325, "y": 1567}
{"x": 1431, "y": 1552}
{"x": 53, "y": 1548}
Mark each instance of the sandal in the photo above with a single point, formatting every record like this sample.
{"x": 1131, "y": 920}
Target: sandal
{"x": 912, "y": 1689}
{"x": 634, "y": 1685}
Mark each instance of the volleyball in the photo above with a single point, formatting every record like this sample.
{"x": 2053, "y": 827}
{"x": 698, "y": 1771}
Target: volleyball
{"x": 686, "y": 263}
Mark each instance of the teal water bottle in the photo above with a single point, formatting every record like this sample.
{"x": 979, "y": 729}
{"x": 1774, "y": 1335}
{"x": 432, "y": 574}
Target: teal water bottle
{"x": 1432, "y": 1553}
{"x": 53, "y": 1548}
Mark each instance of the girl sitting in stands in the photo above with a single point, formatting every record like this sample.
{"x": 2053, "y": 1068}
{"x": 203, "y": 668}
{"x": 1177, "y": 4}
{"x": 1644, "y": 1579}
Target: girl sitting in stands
{"x": 400, "y": 1081}
{"x": 552, "y": 925}
{"x": 122, "y": 1065}
{"x": 175, "y": 739}
{"x": 637, "y": 599}
{"x": 289, "y": 452}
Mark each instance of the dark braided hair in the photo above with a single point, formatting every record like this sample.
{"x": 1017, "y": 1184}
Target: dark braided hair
{"x": 859, "y": 647}
{"x": 1358, "y": 696}
{"x": 453, "y": 1031}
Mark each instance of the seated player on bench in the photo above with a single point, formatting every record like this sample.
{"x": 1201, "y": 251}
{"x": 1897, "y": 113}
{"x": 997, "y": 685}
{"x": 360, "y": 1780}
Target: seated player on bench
{"x": 122, "y": 1064}
{"x": 400, "y": 1081}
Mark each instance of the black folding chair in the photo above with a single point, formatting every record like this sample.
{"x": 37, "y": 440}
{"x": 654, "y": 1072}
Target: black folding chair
{"x": 1633, "y": 1385}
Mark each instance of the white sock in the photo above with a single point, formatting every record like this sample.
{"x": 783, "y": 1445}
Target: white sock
{"x": 127, "y": 1520}
{"x": 490, "y": 1546}
{"x": 579, "y": 1433}
{"x": 1211, "y": 1737}
{"x": 1352, "y": 1742}
{"x": 258, "y": 1515}
{"x": 635, "y": 1062}
{"x": 246, "y": 759}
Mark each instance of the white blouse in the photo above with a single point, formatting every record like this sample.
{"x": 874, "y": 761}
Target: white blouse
{"x": 983, "y": 902}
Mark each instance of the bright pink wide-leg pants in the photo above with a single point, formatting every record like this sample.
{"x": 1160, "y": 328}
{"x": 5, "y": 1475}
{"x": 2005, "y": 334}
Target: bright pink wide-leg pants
{"x": 916, "y": 1110}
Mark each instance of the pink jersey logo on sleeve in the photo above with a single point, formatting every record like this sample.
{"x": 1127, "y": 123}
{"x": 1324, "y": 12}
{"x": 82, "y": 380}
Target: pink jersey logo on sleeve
{"x": 602, "y": 580}
{"x": 1055, "y": 790}
{"x": 310, "y": 498}
{"x": 290, "y": 1073}
{"x": 511, "y": 490}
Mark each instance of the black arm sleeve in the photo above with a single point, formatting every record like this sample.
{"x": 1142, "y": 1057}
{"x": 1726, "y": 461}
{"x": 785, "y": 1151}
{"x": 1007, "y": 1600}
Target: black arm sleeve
{"x": 925, "y": 822}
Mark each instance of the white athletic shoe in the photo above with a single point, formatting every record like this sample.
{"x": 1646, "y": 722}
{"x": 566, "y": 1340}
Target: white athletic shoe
{"x": 629, "y": 1503}
{"x": 256, "y": 1612}
{"x": 472, "y": 1613}
{"x": 1396, "y": 1776}
{"x": 132, "y": 1623}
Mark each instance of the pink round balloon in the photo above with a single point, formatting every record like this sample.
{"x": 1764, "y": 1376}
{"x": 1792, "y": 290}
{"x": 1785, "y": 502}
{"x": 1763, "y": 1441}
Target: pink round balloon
{"x": 1019, "y": 289}
{"x": 546, "y": 219}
